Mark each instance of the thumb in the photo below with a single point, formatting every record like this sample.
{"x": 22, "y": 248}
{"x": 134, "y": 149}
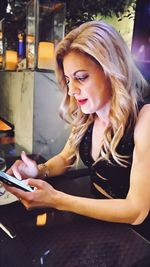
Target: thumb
{"x": 35, "y": 183}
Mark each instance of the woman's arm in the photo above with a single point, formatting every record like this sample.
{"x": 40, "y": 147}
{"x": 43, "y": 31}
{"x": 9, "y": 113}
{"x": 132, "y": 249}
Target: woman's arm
{"x": 26, "y": 167}
{"x": 58, "y": 164}
{"x": 132, "y": 210}
{"x": 136, "y": 206}
{"x": 139, "y": 192}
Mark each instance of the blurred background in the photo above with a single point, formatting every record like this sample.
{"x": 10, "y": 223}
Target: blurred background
{"x": 29, "y": 33}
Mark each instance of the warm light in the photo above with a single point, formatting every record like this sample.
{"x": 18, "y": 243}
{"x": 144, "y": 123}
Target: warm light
{"x": 11, "y": 60}
{"x": 41, "y": 219}
{"x": 20, "y": 36}
{"x": 1, "y": 60}
{"x": 46, "y": 55}
{"x": 30, "y": 39}
{"x": 30, "y": 51}
{"x": 4, "y": 126}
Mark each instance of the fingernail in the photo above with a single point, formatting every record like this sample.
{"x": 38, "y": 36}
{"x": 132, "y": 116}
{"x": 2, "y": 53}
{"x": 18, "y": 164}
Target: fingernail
{"x": 19, "y": 177}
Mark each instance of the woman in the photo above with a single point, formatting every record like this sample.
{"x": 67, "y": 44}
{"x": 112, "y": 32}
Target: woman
{"x": 110, "y": 130}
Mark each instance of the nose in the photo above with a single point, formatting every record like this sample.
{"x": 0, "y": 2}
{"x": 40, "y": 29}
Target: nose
{"x": 73, "y": 89}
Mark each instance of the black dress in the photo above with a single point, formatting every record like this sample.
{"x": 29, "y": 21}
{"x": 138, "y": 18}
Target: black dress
{"x": 115, "y": 179}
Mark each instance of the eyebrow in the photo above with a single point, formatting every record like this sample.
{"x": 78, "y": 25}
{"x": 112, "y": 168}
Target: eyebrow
{"x": 76, "y": 72}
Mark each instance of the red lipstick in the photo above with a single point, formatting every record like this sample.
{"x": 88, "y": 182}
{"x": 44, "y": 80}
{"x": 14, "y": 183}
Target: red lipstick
{"x": 81, "y": 101}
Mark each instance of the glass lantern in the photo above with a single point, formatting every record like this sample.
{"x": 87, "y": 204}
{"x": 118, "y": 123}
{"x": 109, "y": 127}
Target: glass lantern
{"x": 30, "y": 34}
{"x": 1, "y": 47}
{"x": 10, "y": 43}
{"x": 45, "y": 29}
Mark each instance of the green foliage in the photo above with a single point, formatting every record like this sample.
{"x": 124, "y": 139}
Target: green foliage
{"x": 81, "y": 11}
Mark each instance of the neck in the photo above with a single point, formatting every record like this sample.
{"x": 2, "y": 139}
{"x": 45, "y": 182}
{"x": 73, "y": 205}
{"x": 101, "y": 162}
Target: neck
{"x": 103, "y": 114}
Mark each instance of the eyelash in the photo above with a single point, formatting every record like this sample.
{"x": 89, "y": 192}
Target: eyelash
{"x": 77, "y": 78}
{"x": 67, "y": 81}
{"x": 81, "y": 78}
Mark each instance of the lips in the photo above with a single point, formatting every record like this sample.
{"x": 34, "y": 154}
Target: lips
{"x": 81, "y": 101}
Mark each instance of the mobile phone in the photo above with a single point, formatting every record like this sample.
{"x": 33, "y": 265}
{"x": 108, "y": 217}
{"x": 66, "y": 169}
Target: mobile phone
{"x": 12, "y": 181}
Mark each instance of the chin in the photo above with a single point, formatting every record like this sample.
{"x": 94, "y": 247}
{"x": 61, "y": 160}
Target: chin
{"x": 87, "y": 111}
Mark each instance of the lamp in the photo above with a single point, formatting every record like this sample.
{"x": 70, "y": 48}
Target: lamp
{"x": 8, "y": 8}
{"x": 11, "y": 60}
{"x": 46, "y": 55}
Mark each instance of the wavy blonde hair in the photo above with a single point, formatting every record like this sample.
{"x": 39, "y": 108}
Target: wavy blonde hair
{"x": 104, "y": 45}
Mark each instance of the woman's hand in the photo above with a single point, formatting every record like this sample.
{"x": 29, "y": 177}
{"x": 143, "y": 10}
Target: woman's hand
{"x": 24, "y": 168}
{"x": 44, "y": 194}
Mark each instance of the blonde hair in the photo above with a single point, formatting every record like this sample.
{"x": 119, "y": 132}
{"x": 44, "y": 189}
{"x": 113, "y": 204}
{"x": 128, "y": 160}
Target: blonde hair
{"x": 104, "y": 45}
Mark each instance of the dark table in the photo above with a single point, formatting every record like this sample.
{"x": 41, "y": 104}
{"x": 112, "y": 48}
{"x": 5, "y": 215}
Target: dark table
{"x": 67, "y": 239}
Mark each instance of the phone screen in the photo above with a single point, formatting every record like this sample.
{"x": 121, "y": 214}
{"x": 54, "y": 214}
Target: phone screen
{"x": 12, "y": 181}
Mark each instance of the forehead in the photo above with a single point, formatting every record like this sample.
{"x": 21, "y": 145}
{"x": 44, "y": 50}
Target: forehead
{"x": 75, "y": 61}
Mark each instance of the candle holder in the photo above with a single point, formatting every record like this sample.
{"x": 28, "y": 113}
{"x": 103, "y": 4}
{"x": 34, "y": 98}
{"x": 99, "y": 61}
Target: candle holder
{"x": 45, "y": 55}
{"x": 45, "y": 29}
{"x": 10, "y": 45}
{"x": 11, "y": 60}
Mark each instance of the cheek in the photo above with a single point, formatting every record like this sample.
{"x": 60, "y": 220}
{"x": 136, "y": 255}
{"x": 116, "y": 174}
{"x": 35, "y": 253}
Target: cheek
{"x": 98, "y": 99}
{"x": 94, "y": 102}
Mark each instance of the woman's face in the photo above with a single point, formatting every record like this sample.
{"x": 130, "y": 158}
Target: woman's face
{"x": 87, "y": 83}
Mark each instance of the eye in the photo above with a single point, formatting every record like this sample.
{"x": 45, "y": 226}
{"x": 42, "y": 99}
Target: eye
{"x": 67, "y": 80}
{"x": 82, "y": 78}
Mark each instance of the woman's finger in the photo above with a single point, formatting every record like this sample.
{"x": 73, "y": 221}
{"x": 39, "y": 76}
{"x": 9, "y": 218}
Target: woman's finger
{"x": 10, "y": 170}
{"x": 20, "y": 194}
{"x": 26, "y": 159}
{"x": 15, "y": 170}
{"x": 35, "y": 183}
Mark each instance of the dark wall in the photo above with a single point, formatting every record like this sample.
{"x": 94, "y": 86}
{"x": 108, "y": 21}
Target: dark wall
{"x": 3, "y": 5}
{"x": 141, "y": 37}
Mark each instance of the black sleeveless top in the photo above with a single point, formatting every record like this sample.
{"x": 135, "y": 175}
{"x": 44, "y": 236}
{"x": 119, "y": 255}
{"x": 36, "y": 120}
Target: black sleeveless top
{"x": 116, "y": 178}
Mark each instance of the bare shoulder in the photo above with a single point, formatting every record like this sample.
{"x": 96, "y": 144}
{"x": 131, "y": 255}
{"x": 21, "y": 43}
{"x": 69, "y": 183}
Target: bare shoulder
{"x": 142, "y": 128}
{"x": 145, "y": 109}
